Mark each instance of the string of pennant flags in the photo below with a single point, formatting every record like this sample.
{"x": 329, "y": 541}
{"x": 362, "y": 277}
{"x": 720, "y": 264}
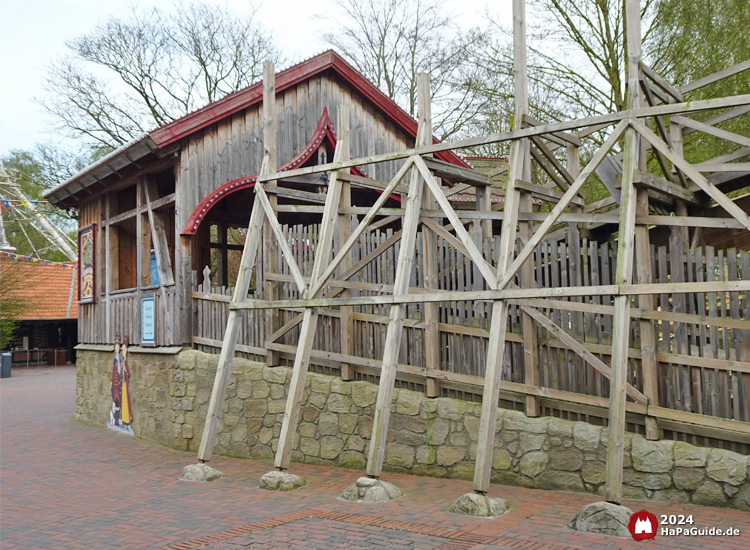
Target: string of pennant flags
{"x": 22, "y": 258}
{"x": 25, "y": 204}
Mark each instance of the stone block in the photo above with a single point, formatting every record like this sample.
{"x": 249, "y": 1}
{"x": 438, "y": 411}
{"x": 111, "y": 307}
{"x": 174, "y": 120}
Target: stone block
{"x": 586, "y": 437}
{"x": 309, "y": 447}
{"x": 438, "y": 432}
{"x": 318, "y": 399}
{"x": 348, "y": 423}
{"x": 320, "y": 383}
{"x": 689, "y": 456}
{"x": 277, "y": 391}
{"x": 339, "y": 403}
{"x": 281, "y": 481}
{"x": 672, "y": 496}
{"x": 459, "y": 439}
{"x": 245, "y": 389}
{"x": 530, "y": 442}
{"x": 355, "y": 443}
{"x": 560, "y": 428}
{"x": 276, "y": 406}
{"x": 408, "y": 402}
{"x": 364, "y": 394}
{"x": 310, "y": 413}
{"x": 330, "y": 447}
{"x": 276, "y": 375}
{"x": 261, "y": 390}
{"x": 710, "y": 493}
{"x": 328, "y": 424}
{"x": 727, "y": 466}
{"x": 560, "y": 481}
{"x": 265, "y": 435}
{"x": 593, "y": 472}
{"x": 200, "y": 472}
{"x": 688, "y": 478}
{"x": 340, "y": 386}
{"x": 371, "y": 490}
{"x": 742, "y": 499}
{"x": 425, "y": 454}
{"x": 646, "y": 480}
{"x": 501, "y": 459}
{"x": 450, "y": 409}
{"x": 352, "y": 460}
{"x": 514, "y": 420}
{"x": 569, "y": 460}
{"x": 406, "y": 437}
{"x": 533, "y": 464}
{"x": 448, "y": 456}
{"x": 410, "y": 423}
{"x": 307, "y": 429}
{"x": 652, "y": 456}
{"x": 364, "y": 426}
{"x": 239, "y": 433}
{"x": 256, "y": 408}
{"x": 397, "y": 454}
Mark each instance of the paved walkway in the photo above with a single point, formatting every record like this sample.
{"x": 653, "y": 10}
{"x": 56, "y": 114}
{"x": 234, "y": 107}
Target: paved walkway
{"x": 68, "y": 485}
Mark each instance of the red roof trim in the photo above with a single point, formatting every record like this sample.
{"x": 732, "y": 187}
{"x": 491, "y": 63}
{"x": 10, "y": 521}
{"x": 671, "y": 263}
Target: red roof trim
{"x": 324, "y": 132}
{"x": 287, "y": 78}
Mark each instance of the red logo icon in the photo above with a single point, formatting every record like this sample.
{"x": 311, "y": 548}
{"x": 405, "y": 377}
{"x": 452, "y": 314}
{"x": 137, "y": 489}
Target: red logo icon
{"x": 643, "y": 525}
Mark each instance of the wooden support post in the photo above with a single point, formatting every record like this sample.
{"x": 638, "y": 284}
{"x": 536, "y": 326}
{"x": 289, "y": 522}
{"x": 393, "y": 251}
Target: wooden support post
{"x": 623, "y": 276}
{"x": 431, "y": 310}
{"x": 530, "y": 345}
{"x": 346, "y": 224}
{"x": 310, "y": 316}
{"x": 519, "y": 164}
{"x": 161, "y": 251}
{"x": 376, "y": 454}
{"x": 649, "y": 365}
{"x": 270, "y": 251}
{"x": 249, "y": 253}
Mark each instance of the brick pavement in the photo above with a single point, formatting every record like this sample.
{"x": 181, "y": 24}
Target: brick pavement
{"x": 68, "y": 485}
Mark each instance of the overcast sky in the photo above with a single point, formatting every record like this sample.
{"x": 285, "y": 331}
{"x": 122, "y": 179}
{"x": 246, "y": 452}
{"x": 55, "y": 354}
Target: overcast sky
{"x": 32, "y": 32}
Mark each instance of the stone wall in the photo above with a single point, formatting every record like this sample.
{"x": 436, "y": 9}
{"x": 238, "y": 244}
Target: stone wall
{"x": 435, "y": 437}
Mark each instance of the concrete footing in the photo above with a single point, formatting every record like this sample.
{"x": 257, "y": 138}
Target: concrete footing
{"x": 603, "y": 518}
{"x": 281, "y": 481}
{"x": 200, "y": 472}
{"x": 368, "y": 489}
{"x": 475, "y": 504}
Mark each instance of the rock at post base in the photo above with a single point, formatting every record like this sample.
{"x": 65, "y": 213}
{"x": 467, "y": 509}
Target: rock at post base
{"x": 281, "y": 481}
{"x": 475, "y": 504}
{"x": 200, "y": 472}
{"x": 603, "y": 518}
{"x": 368, "y": 489}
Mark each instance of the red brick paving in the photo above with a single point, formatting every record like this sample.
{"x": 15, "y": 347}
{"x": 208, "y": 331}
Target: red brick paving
{"x": 69, "y": 485}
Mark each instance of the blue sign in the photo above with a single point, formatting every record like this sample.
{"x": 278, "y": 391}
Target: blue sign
{"x": 148, "y": 321}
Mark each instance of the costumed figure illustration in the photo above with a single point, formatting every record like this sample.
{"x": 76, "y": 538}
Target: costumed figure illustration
{"x": 121, "y": 415}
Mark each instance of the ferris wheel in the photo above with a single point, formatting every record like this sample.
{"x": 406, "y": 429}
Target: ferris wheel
{"x": 15, "y": 206}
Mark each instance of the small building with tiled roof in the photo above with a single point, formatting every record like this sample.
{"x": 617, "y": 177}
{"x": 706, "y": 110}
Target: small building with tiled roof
{"x": 47, "y": 331}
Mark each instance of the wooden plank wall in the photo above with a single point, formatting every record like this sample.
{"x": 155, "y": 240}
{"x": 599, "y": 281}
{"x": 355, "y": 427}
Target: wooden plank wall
{"x": 233, "y": 147}
{"x": 710, "y": 376}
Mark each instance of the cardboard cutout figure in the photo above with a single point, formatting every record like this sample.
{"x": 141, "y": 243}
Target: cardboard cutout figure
{"x": 121, "y": 415}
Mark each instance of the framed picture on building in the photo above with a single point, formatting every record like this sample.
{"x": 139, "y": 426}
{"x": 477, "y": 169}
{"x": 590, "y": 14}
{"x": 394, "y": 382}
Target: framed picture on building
{"x": 148, "y": 321}
{"x": 87, "y": 264}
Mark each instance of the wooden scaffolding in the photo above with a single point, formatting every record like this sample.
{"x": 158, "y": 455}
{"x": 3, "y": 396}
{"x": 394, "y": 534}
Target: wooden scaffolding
{"x": 509, "y": 276}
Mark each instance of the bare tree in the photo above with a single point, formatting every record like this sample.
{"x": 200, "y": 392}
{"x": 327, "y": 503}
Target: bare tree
{"x": 391, "y": 41}
{"x": 130, "y": 75}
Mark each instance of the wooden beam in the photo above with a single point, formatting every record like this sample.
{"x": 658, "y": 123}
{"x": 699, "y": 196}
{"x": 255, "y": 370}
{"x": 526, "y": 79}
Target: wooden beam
{"x": 668, "y": 188}
{"x": 561, "y": 138}
{"x": 247, "y": 262}
{"x": 726, "y": 203}
{"x": 545, "y": 193}
{"x": 625, "y": 246}
{"x": 712, "y": 130}
{"x": 661, "y": 82}
{"x": 376, "y": 453}
{"x": 567, "y": 198}
{"x": 715, "y": 77}
{"x": 579, "y": 349}
{"x": 600, "y": 121}
{"x": 451, "y": 172}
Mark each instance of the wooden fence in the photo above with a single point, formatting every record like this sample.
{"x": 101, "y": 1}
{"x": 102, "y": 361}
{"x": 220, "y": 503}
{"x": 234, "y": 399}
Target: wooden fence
{"x": 703, "y": 349}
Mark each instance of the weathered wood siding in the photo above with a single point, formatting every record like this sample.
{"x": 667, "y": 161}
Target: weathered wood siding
{"x": 233, "y": 147}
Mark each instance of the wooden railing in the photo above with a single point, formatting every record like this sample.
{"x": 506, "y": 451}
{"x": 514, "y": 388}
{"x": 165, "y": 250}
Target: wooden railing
{"x": 703, "y": 348}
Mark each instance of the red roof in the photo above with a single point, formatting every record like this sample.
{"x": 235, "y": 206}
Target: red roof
{"x": 45, "y": 289}
{"x": 328, "y": 60}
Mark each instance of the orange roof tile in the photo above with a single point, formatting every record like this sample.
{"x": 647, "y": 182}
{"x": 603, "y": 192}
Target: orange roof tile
{"x": 46, "y": 289}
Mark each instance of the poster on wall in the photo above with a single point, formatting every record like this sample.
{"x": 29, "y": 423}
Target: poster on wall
{"x": 148, "y": 321}
{"x": 87, "y": 264}
{"x": 121, "y": 413}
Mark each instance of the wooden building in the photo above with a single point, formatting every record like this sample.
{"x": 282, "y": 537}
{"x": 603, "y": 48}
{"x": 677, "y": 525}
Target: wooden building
{"x": 177, "y": 191}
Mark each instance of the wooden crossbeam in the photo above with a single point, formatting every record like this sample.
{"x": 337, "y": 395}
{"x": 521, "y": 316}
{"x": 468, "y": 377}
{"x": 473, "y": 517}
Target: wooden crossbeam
{"x": 712, "y": 130}
{"x": 581, "y": 351}
{"x": 601, "y": 121}
{"x": 661, "y": 82}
